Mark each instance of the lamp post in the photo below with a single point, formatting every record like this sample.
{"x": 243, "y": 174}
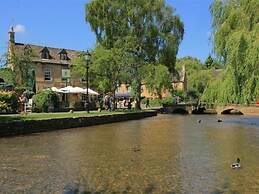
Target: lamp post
{"x": 87, "y": 59}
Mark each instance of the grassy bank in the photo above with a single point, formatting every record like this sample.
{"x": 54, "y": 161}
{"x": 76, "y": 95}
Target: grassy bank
{"x": 41, "y": 116}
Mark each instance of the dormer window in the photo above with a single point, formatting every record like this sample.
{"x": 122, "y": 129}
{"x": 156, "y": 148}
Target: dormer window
{"x": 45, "y": 53}
{"x": 63, "y": 55}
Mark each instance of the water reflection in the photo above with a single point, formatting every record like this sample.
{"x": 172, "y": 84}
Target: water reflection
{"x": 164, "y": 154}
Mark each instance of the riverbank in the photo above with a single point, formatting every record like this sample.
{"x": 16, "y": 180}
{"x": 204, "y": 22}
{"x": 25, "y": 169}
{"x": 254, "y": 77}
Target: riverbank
{"x": 13, "y": 125}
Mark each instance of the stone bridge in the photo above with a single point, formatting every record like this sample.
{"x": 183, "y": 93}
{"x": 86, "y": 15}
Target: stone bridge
{"x": 181, "y": 108}
{"x": 219, "y": 109}
{"x": 246, "y": 110}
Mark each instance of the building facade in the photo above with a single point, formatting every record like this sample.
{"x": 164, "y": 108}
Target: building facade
{"x": 179, "y": 82}
{"x": 50, "y": 66}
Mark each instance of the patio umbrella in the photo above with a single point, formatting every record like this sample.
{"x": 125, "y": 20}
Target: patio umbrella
{"x": 71, "y": 90}
{"x": 122, "y": 95}
{"x": 76, "y": 90}
{"x": 54, "y": 89}
{"x": 90, "y": 91}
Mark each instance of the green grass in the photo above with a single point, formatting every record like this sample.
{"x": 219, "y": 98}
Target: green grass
{"x": 40, "y": 116}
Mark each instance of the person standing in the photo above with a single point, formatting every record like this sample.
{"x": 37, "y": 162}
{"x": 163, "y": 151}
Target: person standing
{"x": 23, "y": 101}
{"x": 147, "y": 103}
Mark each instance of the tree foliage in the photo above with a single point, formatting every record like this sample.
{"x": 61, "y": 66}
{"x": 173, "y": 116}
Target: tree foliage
{"x": 153, "y": 23}
{"x": 236, "y": 43}
{"x": 198, "y": 76}
{"x": 108, "y": 65}
{"x": 78, "y": 70}
{"x": 7, "y": 75}
{"x": 147, "y": 31}
{"x": 157, "y": 79}
{"x": 22, "y": 68}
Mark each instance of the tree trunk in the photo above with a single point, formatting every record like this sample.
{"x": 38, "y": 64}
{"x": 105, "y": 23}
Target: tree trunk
{"x": 114, "y": 100}
{"x": 138, "y": 97}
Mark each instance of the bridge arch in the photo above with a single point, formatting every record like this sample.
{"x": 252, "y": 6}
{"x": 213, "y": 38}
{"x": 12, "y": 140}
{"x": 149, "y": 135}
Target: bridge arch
{"x": 180, "y": 111}
{"x": 231, "y": 111}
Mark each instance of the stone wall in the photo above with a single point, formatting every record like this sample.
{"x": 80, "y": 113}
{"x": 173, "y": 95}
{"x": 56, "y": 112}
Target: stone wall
{"x": 12, "y": 128}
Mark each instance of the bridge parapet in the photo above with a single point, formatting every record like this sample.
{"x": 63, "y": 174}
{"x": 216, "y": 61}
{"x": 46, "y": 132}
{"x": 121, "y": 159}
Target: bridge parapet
{"x": 247, "y": 110}
{"x": 180, "y": 108}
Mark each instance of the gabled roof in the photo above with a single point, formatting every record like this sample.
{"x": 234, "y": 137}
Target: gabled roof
{"x": 54, "y": 53}
{"x": 63, "y": 51}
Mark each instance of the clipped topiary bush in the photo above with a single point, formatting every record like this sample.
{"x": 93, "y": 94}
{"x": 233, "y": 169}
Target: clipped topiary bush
{"x": 45, "y": 101}
{"x": 8, "y": 102}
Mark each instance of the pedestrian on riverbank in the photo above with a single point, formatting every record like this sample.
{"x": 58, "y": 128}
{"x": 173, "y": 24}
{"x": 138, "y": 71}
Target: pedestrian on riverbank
{"x": 147, "y": 103}
{"x": 22, "y": 102}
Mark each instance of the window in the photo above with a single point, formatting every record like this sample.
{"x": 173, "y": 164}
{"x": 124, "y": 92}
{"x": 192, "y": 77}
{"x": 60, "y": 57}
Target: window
{"x": 63, "y": 55}
{"x": 83, "y": 97}
{"x": 65, "y": 74}
{"x": 45, "y": 53}
{"x": 47, "y": 74}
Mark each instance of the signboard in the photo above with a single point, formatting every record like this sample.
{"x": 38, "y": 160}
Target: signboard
{"x": 65, "y": 73}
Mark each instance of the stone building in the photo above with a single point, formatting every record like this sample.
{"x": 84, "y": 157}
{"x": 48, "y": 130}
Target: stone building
{"x": 179, "y": 82}
{"x": 51, "y": 66}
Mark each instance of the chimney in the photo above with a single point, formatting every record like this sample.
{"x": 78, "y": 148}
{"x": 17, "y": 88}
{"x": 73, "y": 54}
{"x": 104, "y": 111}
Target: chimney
{"x": 11, "y": 35}
{"x": 11, "y": 43}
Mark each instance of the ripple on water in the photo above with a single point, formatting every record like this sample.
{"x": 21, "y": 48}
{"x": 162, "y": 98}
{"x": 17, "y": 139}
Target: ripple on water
{"x": 164, "y": 154}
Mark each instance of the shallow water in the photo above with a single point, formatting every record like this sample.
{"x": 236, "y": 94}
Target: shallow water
{"x": 163, "y": 154}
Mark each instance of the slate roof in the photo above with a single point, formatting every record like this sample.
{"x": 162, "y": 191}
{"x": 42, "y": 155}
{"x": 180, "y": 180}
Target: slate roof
{"x": 54, "y": 53}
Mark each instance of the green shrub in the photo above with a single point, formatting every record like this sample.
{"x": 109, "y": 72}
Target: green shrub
{"x": 8, "y": 102}
{"x": 45, "y": 101}
{"x": 167, "y": 101}
{"x": 21, "y": 89}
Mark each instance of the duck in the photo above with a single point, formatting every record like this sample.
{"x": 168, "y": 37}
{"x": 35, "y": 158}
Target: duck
{"x": 136, "y": 149}
{"x": 236, "y": 164}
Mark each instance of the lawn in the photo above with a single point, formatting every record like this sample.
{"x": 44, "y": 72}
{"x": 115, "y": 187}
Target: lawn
{"x": 40, "y": 116}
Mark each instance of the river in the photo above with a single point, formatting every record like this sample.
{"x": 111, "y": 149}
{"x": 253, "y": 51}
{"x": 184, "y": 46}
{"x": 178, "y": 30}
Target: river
{"x": 163, "y": 154}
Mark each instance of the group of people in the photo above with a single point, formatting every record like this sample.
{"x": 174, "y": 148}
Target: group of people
{"x": 110, "y": 103}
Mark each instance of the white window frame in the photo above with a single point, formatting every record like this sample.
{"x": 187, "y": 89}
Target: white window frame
{"x": 47, "y": 73}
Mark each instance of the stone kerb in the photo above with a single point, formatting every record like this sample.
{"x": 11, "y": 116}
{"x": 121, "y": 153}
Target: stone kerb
{"x": 11, "y": 128}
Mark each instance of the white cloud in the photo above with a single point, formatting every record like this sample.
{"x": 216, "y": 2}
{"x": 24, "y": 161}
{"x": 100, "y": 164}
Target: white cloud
{"x": 19, "y": 28}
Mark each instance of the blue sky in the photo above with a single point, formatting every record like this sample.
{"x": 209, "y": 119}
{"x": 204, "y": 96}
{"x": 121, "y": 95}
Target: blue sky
{"x": 61, "y": 23}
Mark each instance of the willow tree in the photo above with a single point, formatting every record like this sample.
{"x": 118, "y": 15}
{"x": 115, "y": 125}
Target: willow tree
{"x": 149, "y": 28}
{"x": 236, "y": 42}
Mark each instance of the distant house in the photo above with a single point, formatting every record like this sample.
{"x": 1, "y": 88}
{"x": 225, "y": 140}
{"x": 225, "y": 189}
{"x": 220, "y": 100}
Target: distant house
{"x": 51, "y": 66}
{"x": 179, "y": 82}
